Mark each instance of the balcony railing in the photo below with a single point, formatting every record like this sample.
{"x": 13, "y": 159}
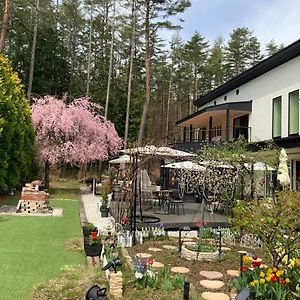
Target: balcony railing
{"x": 216, "y": 134}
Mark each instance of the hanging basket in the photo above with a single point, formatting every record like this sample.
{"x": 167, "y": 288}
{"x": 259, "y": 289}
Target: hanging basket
{"x": 93, "y": 250}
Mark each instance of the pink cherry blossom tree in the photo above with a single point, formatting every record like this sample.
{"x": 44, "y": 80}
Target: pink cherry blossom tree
{"x": 74, "y": 133}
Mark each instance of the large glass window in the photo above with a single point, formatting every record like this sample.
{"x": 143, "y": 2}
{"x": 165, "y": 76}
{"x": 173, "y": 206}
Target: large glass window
{"x": 277, "y": 117}
{"x": 294, "y": 112}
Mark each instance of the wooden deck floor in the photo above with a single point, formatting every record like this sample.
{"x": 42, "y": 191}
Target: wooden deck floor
{"x": 188, "y": 219}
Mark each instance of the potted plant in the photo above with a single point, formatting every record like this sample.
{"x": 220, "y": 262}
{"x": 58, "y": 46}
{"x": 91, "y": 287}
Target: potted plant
{"x": 88, "y": 228}
{"x": 92, "y": 245}
{"x": 104, "y": 209}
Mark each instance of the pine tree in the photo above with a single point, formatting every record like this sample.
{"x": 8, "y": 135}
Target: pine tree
{"x": 255, "y": 55}
{"x": 272, "y": 48}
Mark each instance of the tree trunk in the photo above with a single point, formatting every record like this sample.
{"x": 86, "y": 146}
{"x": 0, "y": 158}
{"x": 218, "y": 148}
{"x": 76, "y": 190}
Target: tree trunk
{"x": 5, "y": 23}
{"x": 33, "y": 52}
{"x": 168, "y": 106}
{"x": 46, "y": 175}
{"x": 89, "y": 54}
{"x": 148, "y": 74}
{"x": 130, "y": 72}
{"x": 110, "y": 60}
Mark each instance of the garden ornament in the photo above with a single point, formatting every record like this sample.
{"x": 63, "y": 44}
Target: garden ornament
{"x": 114, "y": 264}
{"x": 243, "y": 294}
{"x": 283, "y": 172}
{"x": 96, "y": 293}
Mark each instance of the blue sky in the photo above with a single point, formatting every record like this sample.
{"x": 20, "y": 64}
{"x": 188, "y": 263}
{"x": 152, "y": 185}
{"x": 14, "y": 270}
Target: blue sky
{"x": 277, "y": 19}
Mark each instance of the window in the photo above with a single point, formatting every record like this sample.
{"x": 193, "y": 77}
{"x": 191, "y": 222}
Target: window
{"x": 294, "y": 112}
{"x": 277, "y": 117}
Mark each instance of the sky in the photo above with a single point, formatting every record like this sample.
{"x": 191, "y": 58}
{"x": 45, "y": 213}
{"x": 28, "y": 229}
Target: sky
{"x": 269, "y": 19}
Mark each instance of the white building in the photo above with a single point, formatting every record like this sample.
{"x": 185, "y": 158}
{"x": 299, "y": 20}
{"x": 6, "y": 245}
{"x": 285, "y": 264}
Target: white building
{"x": 261, "y": 104}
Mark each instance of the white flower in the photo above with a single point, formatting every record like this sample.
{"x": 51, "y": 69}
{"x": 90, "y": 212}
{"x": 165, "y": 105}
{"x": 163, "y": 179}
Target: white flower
{"x": 138, "y": 275}
{"x": 150, "y": 273}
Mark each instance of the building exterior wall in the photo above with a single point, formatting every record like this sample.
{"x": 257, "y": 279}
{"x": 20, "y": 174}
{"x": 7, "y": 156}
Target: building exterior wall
{"x": 261, "y": 90}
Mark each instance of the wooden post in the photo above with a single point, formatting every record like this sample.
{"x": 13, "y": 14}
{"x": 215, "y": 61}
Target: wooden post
{"x": 186, "y": 290}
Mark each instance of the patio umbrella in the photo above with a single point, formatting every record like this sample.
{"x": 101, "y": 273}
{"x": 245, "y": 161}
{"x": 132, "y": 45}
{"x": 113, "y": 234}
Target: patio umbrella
{"x": 152, "y": 150}
{"x": 283, "y": 172}
{"x": 187, "y": 165}
{"x": 123, "y": 159}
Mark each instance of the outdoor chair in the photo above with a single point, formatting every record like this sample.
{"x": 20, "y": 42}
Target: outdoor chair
{"x": 176, "y": 201}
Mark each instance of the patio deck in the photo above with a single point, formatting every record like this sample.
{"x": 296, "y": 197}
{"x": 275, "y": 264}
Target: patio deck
{"x": 192, "y": 214}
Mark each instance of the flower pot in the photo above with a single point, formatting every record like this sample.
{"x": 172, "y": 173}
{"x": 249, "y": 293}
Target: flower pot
{"x": 92, "y": 250}
{"x": 104, "y": 212}
{"x": 87, "y": 231}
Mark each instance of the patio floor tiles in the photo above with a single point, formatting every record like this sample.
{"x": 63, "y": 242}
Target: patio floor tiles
{"x": 211, "y": 274}
{"x": 181, "y": 270}
{"x": 214, "y": 296}
{"x": 212, "y": 284}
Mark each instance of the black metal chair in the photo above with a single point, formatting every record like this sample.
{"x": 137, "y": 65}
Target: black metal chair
{"x": 176, "y": 201}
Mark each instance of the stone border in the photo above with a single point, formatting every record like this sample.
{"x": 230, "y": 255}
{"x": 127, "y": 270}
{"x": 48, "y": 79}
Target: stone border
{"x": 193, "y": 255}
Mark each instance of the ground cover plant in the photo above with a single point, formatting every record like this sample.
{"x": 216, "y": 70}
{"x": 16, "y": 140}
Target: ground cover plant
{"x": 170, "y": 258}
{"x": 33, "y": 249}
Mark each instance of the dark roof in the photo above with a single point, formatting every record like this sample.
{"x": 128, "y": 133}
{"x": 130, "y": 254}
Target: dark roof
{"x": 279, "y": 58}
{"x": 243, "y": 106}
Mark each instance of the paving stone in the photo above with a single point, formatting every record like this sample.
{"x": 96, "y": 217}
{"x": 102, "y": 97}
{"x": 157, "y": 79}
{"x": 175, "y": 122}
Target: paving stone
{"x": 181, "y": 270}
{"x": 233, "y": 273}
{"x": 214, "y": 296}
{"x": 144, "y": 255}
{"x": 225, "y": 248}
{"x": 169, "y": 247}
{"x": 211, "y": 274}
{"x": 153, "y": 249}
{"x": 157, "y": 265}
{"x": 212, "y": 284}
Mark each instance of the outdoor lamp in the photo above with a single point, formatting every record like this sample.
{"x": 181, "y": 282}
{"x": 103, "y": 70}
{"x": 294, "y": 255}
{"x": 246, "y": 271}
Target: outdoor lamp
{"x": 114, "y": 264}
{"x": 242, "y": 254}
{"x": 96, "y": 293}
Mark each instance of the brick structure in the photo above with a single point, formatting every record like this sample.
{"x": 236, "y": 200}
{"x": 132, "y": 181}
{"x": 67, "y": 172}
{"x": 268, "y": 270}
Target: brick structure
{"x": 33, "y": 201}
{"x": 116, "y": 284}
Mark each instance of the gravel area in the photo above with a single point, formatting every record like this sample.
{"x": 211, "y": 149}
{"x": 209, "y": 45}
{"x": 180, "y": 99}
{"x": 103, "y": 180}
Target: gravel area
{"x": 91, "y": 204}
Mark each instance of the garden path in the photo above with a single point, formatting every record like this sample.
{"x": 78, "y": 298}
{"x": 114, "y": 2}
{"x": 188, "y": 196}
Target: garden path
{"x": 92, "y": 210}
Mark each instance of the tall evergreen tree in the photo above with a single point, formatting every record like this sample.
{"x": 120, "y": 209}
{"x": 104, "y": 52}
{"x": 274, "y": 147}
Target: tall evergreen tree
{"x": 272, "y": 48}
{"x": 255, "y": 55}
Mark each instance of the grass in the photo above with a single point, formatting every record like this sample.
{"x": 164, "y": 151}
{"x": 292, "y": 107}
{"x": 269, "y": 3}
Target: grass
{"x": 33, "y": 248}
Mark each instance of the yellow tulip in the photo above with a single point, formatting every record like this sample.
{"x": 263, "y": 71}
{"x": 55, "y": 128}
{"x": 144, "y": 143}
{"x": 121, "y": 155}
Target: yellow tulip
{"x": 270, "y": 270}
{"x": 262, "y": 274}
{"x": 268, "y": 278}
{"x": 279, "y": 273}
{"x": 246, "y": 259}
{"x": 298, "y": 261}
{"x": 262, "y": 280}
{"x": 287, "y": 280}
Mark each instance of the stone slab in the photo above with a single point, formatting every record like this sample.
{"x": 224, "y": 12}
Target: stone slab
{"x": 153, "y": 249}
{"x": 233, "y": 273}
{"x": 157, "y": 265}
{"x": 181, "y": 270}
{"x": 144, "y": 255}
{"x": 212, "y": 284}
{"x": 214, "y": 296}
{"x": 211, "y": 275}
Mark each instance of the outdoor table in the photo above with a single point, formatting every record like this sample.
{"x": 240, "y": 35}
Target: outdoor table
{"x": 164, "y": 200}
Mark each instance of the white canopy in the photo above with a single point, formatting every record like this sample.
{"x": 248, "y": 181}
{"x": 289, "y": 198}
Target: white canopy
{"x": 259, "y": 166}
{"x": 187, "y": 165}
{"x": 123, "y": 159}
{"x": 157, "y": 151}
{"x": 283, "y": 172}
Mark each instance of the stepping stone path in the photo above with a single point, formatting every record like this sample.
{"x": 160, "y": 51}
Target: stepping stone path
{"x": 225, "y": 249}
{"x": 155, "y": 249}
{"x": 211, "y": 274}
{"x": 188, "y": 240}
{"x": 157, "y": 265}
{"x": 181, "y": 270}
{"x": 169, "y": 247}
{"x": 144, "y": 255}
{"x": 212, "y": 284}
{"x": 214, "y": 296}
{"x": 233, "y": 273}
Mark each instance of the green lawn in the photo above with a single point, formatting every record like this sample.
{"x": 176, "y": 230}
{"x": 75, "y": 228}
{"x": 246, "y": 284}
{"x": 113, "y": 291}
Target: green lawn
{"x": 32, "y": 249}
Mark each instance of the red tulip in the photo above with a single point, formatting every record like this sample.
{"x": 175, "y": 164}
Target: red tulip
{"x": 282, "y": 281}
{"x": 244, "y": 269}
{"x": 274, "y": 278}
